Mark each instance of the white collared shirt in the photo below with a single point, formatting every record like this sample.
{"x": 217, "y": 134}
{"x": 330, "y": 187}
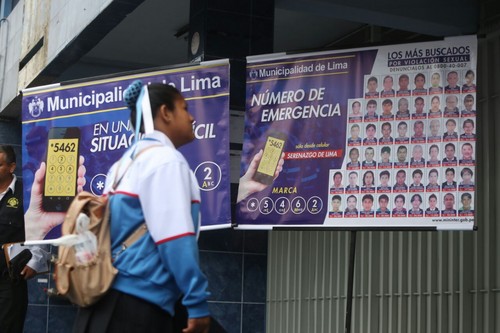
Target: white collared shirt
{"x": 39, "y": 259}
{"x": 12, "y": 186}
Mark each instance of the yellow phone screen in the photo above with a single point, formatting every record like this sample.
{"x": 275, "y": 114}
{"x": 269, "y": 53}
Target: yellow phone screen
{"x": 271, "y": 156}
{"x": 62, "y": 161}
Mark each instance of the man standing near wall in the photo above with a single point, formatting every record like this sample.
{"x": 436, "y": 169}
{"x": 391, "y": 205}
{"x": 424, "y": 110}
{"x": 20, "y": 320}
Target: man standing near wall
{"x": 14, "y": 292}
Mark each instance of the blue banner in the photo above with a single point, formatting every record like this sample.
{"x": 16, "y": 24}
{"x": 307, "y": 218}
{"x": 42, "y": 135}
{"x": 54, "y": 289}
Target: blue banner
{"x": 88, "y": 123}
{"x": 372, "y": 137}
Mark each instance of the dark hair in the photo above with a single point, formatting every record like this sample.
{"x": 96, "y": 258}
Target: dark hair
{"x": 466, "y": 195}
{"x": 400, "y": 196}
{"x": 371, "y": 125}
{"x": 385, "y": 172}
{"x": 449, "y": 145}
{"x": 337, "y": 197}
{"x": 433, "y": 196}
{"x": 159, "y": 94}
{"x": 434, "y": 170}
{"x": 450, "y": 169}
{"x": 337, "y": 173}
{"x": 433, "y": 146}
{"x": 435, "y": 97}
{"x": 469, "y": 96}
{"x": 10, "y": 155}
{"x": 383, "y": 196}
{"x": 371, "y": 102}
{"x": 464, "y": 170}
{"x": 367, "y": 196}
{"x": 386, "y": 124}
{"x": 364, "y": 177}
{"x": 447, "y": 194}
{"x": 419, "y": 75}
{"x": 417, "y": 171}
{"x": 387, "y": 101}
{"x": 386, "y": 149}
{"x": 373, "y": 78}
{"x": 416, "y": 196}
{"x": 468, "y": 121}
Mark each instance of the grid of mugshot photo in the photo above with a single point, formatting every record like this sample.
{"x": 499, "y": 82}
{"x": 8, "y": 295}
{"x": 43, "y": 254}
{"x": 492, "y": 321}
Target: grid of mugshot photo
{"x": 411, "y": 145}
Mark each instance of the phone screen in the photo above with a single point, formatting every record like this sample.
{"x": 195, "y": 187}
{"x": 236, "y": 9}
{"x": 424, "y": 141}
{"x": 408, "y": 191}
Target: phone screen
{"x": 61, "y": 171}
{"x": 270, "y": 158}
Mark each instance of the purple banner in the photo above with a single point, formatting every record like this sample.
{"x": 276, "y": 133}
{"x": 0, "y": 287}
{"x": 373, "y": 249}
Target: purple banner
{"x": 374, "y": 137}
{"x": 90, "y": 120}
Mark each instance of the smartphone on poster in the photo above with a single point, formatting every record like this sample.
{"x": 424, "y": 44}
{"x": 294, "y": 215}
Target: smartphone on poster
{"x": 275, "y": 143}
{"x": 61, "y": 173}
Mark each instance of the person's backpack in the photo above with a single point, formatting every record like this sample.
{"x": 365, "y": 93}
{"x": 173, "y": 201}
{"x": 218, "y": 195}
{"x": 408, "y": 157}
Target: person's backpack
{"x": 85, "y": 284}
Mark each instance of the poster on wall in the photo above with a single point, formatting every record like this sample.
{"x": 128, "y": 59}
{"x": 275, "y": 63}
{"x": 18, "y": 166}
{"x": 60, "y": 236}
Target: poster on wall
{"x": 369, "y": 137}
{"x": 74, "y": 132}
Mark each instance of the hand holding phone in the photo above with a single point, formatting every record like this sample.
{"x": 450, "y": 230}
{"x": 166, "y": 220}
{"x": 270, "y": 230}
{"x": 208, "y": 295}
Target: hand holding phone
{"x": 248, "y": 185}
{"x": 271, "y": 156}
{"x": 39, "y": 222}
{"x": 61, "y": 168}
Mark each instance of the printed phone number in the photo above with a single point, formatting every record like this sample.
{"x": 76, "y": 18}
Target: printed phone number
{"x": 452, "y": 65}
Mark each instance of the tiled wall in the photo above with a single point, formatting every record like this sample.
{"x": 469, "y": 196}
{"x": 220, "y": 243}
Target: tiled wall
{"x": 236, "y": 266}
{"x": 235, "y": 263}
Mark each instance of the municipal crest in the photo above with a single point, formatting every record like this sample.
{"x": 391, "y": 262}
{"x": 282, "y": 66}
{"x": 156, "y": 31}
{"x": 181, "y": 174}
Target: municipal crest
{"x": 13, "y": 203}
{"x": 254, "y": 74}
{"x": 36, "y": 107}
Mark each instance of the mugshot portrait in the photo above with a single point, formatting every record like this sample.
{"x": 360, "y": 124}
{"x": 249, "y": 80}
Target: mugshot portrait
{"x": 404, "y": 89}
{"x": 466, "y": 179}
{"x": 452, "y": 87}
{"x": 432, "y": 209}
{"x": 383, "y": 206}
{"x": 435, "y": 87}
{"x": 372, "y": 87}
{"x": 355, "y": 114}
{"x": 384, "y": 184}
{"x": 469, "y": 85}
{"x": 420, "y": 86}
{"x": 467, "y": 130}
{"x": 469, "y": 109}
{"x": 355, "y": 139}
{"x": 388, "y": 87}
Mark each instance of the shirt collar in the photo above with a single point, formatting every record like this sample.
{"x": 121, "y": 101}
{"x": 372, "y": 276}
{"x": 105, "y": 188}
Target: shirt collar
{"x": 12, "y": 186}
{"x": 160, "y": 136}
